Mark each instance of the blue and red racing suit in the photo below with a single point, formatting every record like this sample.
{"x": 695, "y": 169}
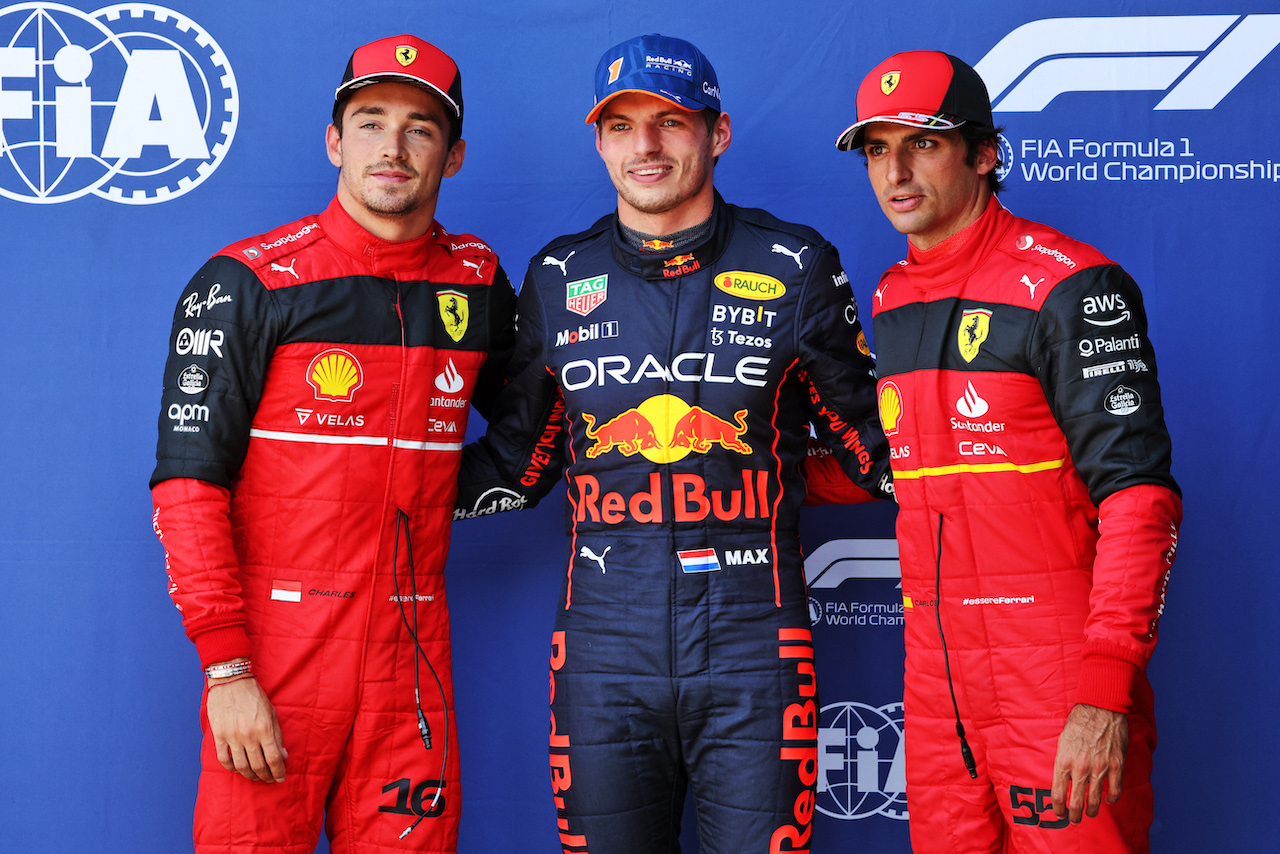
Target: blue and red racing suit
{"x": 686, "y": 381}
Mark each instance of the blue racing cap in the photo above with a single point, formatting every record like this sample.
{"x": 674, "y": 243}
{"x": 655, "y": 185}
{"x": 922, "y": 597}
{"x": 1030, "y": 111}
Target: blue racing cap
{"x": 668, "y": 68}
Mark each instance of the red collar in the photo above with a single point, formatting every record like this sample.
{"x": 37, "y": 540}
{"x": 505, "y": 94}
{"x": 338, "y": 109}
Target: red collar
{"x": 385, "y": 257}
{"x": 960, "y": 254}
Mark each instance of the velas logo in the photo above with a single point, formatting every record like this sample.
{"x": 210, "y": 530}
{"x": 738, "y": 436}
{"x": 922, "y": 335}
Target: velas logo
{"x": 1195, "y": 59}
{"x": 665, "y": 429}
{"x": 750, "y": 285}
{"x": 890, "y": 408}
{"x": 133, "y": 103}
{"x": 335, "y": 375}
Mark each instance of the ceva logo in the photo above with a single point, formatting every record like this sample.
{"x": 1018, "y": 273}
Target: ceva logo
{"x": 1196, "y": 59}
{"x": 134, "y": 103}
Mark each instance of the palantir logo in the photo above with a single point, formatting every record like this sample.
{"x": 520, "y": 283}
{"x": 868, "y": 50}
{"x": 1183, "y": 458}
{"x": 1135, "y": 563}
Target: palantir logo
{"x": 1206, "y": 56}
{"x": 133, "y": 102}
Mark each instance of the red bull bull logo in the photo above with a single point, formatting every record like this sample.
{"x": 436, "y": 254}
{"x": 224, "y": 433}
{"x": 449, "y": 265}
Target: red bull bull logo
{"x": 679, "y": 266}
{"x": 665, "y": 429}
{"x": 656, "y": 245}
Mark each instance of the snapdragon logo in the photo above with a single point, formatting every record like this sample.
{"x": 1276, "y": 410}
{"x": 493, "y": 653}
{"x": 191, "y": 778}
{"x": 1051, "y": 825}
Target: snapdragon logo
{"x": 133, "y": 102}
{"x": 1195, "y": 59}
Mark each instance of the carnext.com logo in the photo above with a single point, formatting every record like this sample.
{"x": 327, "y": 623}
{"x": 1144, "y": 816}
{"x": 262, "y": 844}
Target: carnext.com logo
{"x": 134, "y": 103}
{"x": 1195, "y": 59}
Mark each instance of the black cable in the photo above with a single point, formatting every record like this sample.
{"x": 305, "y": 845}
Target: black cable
{"x": 424, "y": 731}
{"x": 965, "y": 752}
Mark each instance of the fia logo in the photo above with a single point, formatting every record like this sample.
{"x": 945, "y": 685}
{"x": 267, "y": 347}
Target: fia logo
{"x": 133, "y": 102}
{"x": 861, "y": 762}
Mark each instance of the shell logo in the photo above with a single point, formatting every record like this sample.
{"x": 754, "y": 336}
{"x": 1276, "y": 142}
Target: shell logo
{"x": 890, "y": 408}
{"x": 739, "y": 283}
{"x": 335, "y": 375}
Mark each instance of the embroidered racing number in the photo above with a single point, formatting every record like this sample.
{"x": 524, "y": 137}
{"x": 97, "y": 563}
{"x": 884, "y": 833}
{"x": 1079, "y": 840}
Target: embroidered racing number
{"x": 1042, "y": 802}
{"x": 414, "y": 800}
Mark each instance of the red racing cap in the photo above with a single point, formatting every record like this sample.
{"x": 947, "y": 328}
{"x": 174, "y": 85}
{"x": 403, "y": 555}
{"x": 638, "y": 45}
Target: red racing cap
{"x": 920, "y": 88}
{"x": 402, "y": 59}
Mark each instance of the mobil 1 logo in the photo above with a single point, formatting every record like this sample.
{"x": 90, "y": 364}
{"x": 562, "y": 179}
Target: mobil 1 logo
{"x": 132, "y": 102}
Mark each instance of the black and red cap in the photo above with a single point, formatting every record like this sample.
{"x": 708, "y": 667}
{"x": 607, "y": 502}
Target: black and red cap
{"x": 403, "y": 59}
{"x": 920, "y": 88}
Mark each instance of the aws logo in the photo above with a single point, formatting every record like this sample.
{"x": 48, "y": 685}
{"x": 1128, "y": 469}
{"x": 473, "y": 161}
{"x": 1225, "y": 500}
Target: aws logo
{"x": 665, "y": 429}
{"x": 335, "y": 375}
{"x": 1195, "y": 59}
{"x": 133, "y": 102}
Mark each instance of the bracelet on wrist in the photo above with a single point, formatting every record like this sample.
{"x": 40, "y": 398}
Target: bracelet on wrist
{"x": 222, "y": 671}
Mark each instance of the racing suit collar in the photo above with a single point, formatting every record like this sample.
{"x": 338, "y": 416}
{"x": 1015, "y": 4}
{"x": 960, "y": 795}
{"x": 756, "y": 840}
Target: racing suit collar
{"x": 673, "y": 263}
{"x": 386, "y": 257}
{"x": 955, "y": 258}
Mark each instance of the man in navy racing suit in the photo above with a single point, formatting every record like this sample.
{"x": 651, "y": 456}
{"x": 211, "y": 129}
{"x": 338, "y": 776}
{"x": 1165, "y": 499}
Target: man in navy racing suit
{"x": 684, "y": 345}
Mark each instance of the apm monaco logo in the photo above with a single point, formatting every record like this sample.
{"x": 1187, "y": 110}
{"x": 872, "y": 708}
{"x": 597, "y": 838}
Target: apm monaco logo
{"x": 134, "y": 103}
{"x": 1195, "y": 59}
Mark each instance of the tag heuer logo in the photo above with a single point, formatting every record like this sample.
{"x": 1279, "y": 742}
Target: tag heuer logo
{"x": 584, "y": 295}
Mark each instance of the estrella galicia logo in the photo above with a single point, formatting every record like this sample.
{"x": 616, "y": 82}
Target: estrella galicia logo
{"x": 1196, "y": 60}
{"x": 861, "y": 762}
{"x": 133, "y": 102}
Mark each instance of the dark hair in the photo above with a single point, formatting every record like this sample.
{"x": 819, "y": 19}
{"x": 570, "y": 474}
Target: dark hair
{"x": 340, "y": 106}
{"x": 973, "y": 138}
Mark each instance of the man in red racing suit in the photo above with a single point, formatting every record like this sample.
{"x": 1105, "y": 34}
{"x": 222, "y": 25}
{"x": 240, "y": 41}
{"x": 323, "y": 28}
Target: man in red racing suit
{"x": 315, "y": 405}
{"x": 1038, "y": 517}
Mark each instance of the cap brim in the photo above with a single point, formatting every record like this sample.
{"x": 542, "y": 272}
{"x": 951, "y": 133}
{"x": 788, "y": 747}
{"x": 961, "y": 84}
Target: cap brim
{"x": 390, "y": 77}
{"x": 851, "y": 138}
{"x": 595, "y": 111}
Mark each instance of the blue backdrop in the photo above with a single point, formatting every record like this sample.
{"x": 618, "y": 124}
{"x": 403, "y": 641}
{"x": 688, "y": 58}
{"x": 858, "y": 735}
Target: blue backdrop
{"x": 136, "y": 140}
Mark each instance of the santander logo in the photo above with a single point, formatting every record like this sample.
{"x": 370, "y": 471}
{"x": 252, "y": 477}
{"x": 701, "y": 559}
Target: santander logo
{"x": 970, "y": 405}
{"x": 449, "y": 380}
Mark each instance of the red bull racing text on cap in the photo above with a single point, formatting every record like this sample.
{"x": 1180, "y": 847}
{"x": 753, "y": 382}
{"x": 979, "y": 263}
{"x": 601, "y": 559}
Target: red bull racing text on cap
{"x": 668, "y": 68}
{"x": 920, "y": 88}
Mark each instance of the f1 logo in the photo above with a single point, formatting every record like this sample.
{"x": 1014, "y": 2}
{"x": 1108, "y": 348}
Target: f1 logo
{"x": 1205, "y": 55}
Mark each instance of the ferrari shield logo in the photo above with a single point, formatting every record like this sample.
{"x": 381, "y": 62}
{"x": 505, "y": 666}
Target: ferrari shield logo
{"x": 405, "y": 55}
{"x": 889, "y": 81}
{"x": 974, "y": 327}
{"x": 453, "y": 311}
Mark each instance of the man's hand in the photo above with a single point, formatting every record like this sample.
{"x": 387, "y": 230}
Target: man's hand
{"x": 1091, "y": 751}
{"x": 245, "y": 729}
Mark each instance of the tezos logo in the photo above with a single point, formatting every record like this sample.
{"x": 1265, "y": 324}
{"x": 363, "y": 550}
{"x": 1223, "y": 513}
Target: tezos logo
{"x": 133, "y": 102}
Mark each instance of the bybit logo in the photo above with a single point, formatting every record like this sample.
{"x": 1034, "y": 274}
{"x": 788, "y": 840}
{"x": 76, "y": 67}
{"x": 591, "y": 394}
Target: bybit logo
{"x": 134, "y": 103}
